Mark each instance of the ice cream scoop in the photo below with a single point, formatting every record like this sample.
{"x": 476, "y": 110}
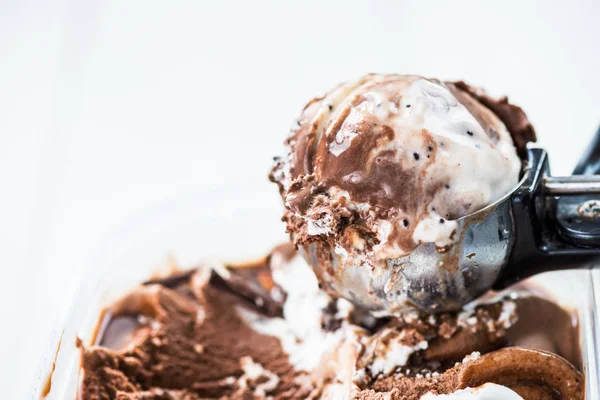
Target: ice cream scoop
{"x": 404, "y": 192}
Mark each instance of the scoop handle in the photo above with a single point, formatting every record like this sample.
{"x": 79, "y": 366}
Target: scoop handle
{"x": 541, "y": 241}
{"x": 578, "y": 211}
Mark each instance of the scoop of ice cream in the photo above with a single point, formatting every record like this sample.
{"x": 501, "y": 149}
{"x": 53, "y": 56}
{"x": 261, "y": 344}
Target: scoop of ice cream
{"x": 384, "y": 163}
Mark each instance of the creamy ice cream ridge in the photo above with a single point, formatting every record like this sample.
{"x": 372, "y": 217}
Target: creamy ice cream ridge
{"x": 384, "y": 163}
{"x": 488, "y": 391}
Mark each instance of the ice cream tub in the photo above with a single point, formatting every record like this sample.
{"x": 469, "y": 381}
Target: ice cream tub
{"x": 236, "y": 225}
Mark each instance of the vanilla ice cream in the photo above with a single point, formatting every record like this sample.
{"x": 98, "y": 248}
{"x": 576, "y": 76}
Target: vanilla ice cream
{"x": 488, "y": 391}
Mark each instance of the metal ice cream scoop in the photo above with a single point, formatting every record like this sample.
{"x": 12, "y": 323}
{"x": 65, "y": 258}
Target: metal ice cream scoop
{"x": 546, "y": 223}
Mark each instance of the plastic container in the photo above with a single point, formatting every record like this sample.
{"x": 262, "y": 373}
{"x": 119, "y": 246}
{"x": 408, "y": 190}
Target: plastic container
{"x": 231, "y": 225}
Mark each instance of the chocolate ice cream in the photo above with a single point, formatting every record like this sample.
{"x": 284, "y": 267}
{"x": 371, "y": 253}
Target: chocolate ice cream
{"x": 265, "y": 330}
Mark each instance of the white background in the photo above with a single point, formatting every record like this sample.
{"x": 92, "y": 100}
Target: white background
{"x": 108, "y": 108}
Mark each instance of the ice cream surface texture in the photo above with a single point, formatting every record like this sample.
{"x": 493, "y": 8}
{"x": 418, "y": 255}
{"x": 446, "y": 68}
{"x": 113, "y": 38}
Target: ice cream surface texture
{"x": 266, "y": 331}
{"x": 384, "y": 163}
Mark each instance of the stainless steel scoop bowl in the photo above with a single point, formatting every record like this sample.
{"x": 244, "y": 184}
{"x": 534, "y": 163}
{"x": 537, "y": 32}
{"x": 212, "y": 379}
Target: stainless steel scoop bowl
{"x": 546, "y": 223}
